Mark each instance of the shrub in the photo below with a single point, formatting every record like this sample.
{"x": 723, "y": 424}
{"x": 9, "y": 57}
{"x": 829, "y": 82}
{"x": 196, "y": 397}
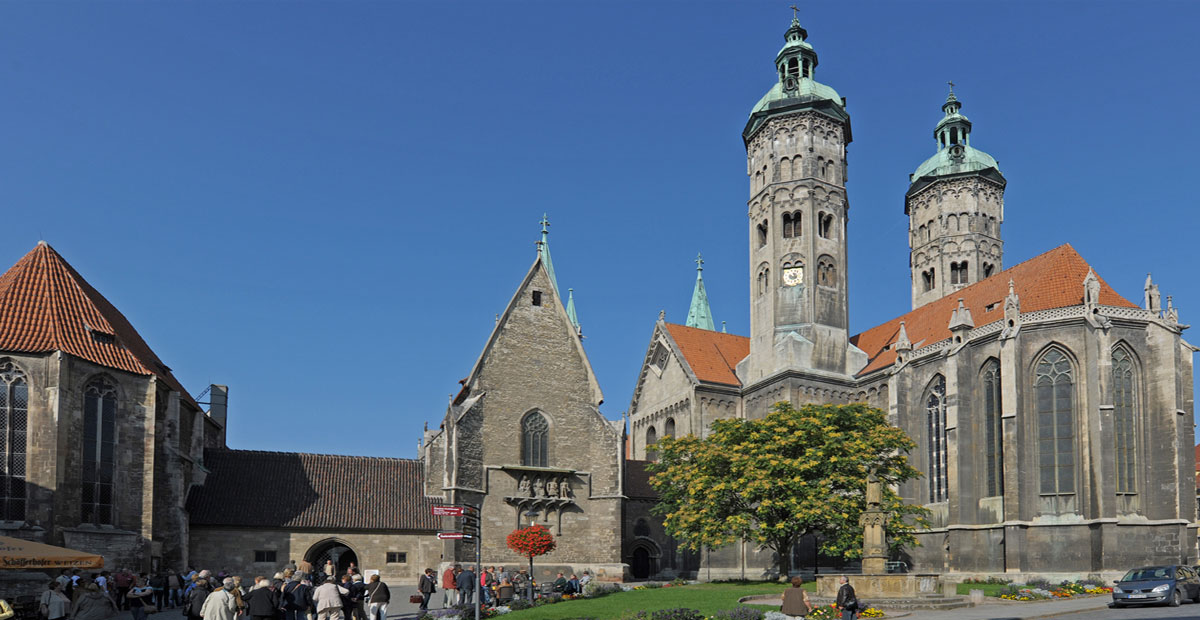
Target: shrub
{"x": 676, "y": 614}
{"x": 740, "y": 613}
{"x": 595, "y": 589}
{"x": 520, "y": 604}
{"x": 679, "y": 581}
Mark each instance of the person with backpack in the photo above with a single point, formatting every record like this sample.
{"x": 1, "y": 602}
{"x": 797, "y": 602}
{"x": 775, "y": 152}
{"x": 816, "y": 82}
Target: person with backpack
{"x": 194, "y": 604}
{"x": 846, "y": 600}
{"x": 296, "y": 598}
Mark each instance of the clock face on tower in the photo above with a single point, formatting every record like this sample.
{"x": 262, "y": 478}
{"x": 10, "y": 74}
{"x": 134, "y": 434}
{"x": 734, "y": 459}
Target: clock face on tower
{"x": 793, "y": 276}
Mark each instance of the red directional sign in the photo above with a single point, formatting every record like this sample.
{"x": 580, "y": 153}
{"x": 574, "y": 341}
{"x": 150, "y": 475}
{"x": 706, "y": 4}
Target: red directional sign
{"x": 452, "y": 535}
{"x": 447, "y": 511}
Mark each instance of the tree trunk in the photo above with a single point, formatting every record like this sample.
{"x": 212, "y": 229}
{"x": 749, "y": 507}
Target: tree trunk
{"x": 783, "y": 549}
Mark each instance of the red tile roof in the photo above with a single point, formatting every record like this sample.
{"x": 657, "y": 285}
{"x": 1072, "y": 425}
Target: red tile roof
{"x": 1050, "y": 280}
{"x": 45, "y": 305}
{"x": 250, "y": 488}
{"x": 713, "y": 356}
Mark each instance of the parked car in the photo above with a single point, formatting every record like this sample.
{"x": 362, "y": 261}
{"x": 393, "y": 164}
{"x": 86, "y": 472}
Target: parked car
{"x": 1157, "y": 584}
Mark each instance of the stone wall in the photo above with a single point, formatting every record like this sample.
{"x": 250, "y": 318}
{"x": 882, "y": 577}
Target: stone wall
{"x": 233, "y": 550}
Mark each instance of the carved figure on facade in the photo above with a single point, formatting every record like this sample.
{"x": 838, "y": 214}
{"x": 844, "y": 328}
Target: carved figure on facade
{"x": 539, "y": 487}
{"x": 551, "y": 487}
{"x": 523, "y": 486}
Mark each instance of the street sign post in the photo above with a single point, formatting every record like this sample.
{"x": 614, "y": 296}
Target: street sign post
{"x": 469, "y": 526}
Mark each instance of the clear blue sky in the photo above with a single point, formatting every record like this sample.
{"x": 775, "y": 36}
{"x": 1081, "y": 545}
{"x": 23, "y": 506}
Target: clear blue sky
{"x": 324, "y": 204}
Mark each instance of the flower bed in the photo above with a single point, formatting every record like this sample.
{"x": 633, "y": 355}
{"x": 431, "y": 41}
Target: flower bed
{"x": 1041, "y": 590}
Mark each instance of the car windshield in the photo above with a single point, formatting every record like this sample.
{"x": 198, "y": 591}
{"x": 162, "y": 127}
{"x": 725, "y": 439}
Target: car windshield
{"x": 1147, "y": 574}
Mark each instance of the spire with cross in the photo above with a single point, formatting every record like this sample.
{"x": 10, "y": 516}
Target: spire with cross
{"x": 700, "y": 315}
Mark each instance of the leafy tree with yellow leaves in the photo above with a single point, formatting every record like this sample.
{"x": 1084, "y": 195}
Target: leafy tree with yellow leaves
{"x": 774, "y": 480}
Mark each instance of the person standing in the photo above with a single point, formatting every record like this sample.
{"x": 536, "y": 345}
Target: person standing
{"x": 193, "y": 602}
{"x": 54, "y": 605}
{"x": 93, "y": 604}
{"x": 380, "y": 596}
{"x": 450, "y": 586}
{"x": 426, "y": 585}
{"x": 846, "y": 600}
{"x": 221, "y": 604}
{"x": 137, "y": 597}
{"x": 795, "y": 600}
{"x": 358, "y": 594}
{"x": 328, "y": 599}
{"x": 296, "y": 598}
{"x": 466, "y": 582}
{"x": 158, "y": 584}
{"x": 262, "y": 601}
{"x": 122, "y": 581}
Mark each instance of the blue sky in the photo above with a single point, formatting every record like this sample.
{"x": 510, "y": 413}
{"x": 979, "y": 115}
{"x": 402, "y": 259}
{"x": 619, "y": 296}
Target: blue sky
{"x": 324, "y": 204}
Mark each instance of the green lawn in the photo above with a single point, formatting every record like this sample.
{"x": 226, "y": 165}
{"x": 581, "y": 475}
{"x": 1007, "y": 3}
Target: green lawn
{"x": 989, "y": 589}
{"x": 707, "y": 598}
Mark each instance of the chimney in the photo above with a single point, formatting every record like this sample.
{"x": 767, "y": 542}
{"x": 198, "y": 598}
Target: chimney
{"x": 218, "y": 406}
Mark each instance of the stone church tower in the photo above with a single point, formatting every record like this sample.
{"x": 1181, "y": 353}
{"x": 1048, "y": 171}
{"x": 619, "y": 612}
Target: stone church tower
{"x": 955, "y": 206}
{"x": 796, "y": 158}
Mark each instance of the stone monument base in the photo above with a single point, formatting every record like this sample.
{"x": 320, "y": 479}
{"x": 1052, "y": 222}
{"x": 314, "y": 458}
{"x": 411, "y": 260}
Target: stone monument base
{"x": 890, "y": 585}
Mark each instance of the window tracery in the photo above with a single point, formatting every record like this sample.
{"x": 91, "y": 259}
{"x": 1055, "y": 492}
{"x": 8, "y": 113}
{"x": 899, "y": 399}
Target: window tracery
{"x": 993, "y": 429}
{"x": 1054, "y": 391}
{"x": 99, "y": 443}
{"x": 935, "y": 416}
{"x": 1124, "y": 421}
{"x": 535, "y": 440}
{"x": 14, "y": 413}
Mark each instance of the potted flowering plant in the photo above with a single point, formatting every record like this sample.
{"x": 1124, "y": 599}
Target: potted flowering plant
{"x": 531, "y": 542}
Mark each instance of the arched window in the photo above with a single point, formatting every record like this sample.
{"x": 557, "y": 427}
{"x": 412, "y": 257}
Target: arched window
{"x": 935, "y": 414}
{"x": 651, "y": 439}
{"x": 1054, "y": 389}
{"x": 99, "y": 441}
{"x": 825, "y": 225}
{"x": 826, "y": 272}
{"x": 1124, "y": 421}
{"x": 928, "y": 279}
{"x": 993, "y": 434}
{"x": 788, "y": 226}
{"x": 14, "y": 407}
{"x": 669, "y": 428}
{"x": 762, "y": 234}
{"x": 535, "y": 440}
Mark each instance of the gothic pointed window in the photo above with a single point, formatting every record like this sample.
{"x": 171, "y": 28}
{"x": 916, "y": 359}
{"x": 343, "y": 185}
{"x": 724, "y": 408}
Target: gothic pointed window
{"x": 1124, "y": 421}
{"x": 935, "y": 417}
{"x": 669, "y": 428}
{"x": 762, "y": 234}
{"x": 651, "y": 439}
{"x": 993, "y": 434}
{"x": 1054, "y": 392}
{"x": 99, "y": 442}
{"x": 535, "y": 440}
{"x": 14, "y": 409}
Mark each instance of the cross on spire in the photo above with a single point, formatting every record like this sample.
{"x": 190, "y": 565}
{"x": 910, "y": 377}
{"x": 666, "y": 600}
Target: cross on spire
{"x": 951, "y": 87}
{"x": 795, "y": 12}
{"x": 545, "y": 222}
{"x": 699, "y": 262}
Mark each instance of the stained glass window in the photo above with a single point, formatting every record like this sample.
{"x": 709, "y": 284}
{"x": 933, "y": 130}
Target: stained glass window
{"x": 1124, "y": 421}
{"x": 14, "y": 410}
{"x": 99, "y": 439}
{"x": 535, "y": 439}
{"x": 935, "y": 412}
{"x": 1054, "y": 390}
{"x": 993, "y": 436}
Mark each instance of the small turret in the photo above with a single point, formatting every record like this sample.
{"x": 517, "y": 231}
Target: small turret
{"x": 700, "y": 315}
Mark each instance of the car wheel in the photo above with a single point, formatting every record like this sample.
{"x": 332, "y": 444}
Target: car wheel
{"x": 1176, "y": 599}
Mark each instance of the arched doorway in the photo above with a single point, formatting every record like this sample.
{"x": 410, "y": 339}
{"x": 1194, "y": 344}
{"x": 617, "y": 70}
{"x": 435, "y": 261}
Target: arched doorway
{"x": 335, "y": 551}
{"x": 643, "y": 563}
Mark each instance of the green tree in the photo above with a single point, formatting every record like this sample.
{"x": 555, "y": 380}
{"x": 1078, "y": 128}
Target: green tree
{"x": 793, "y": 473}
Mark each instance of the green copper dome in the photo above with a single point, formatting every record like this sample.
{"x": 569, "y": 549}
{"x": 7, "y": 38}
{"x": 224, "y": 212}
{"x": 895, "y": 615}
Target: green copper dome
{"x": 796, "y": 88}
{"x": 955, "y": 154}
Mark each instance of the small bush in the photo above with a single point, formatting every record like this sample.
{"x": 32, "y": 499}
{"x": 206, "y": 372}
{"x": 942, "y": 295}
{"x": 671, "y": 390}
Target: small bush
{"x": 740, "y": 613}
{"x": 520, "y": 604}
{"x": 679, "y": 581}
{"x": 595, "y": 589}
{"x": 676, "y": 614}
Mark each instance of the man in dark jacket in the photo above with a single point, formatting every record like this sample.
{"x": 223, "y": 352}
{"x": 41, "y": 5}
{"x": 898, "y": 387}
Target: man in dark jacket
{"x": 467, "y": 582}
{"x": 358, "y": 592}
{"x": 195, "y": 600}
{"x": 846, "y": 600}
{"x": 262, "y": 602}
{"x": 296, "y": 598}
{"x": 426, "y": 585}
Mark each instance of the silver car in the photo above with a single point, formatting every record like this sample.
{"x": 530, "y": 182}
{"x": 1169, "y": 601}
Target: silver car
{"x": 1157, "y": 584}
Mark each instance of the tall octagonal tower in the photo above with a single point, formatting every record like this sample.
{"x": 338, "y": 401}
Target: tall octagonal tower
{"x": 796, "y": 159}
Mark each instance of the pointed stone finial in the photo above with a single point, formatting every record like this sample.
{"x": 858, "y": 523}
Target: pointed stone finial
{"x": 1172, "y": 312}
{"x": 1011, "y": 289}
{"x": 903, "y": 344}
{"x": 1153, "y": 300}
{"x": 961, "y": 319}
{"x": 723, "y": 328}
{"x": 1091, "y": 289}
{"x": 571, "y": 311}
{"x": 662, "y": 315}
{"x": 497, "y": 320}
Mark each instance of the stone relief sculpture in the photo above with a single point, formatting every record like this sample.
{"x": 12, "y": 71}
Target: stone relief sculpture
{"x": 564, "y": 489}
{"x": 539, "y": 488}
{"x": 551, "y": 488}
{"x": 523, "y": 486}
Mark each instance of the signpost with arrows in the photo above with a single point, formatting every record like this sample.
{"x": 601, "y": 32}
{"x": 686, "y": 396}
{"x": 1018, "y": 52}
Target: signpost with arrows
{"x": 468, "y": 516}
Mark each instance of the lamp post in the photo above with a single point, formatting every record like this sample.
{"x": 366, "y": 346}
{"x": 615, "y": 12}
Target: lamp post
{"x": 533, "y": 515}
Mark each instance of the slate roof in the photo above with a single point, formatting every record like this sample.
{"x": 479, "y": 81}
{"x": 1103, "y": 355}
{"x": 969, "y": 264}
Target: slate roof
{"x": 251, "y": 488}
{"x": 45, "y": 305}
{"x": 1051, "y": 280}
{"x": 712, "y": 355}
{"x": 637, "y": 480}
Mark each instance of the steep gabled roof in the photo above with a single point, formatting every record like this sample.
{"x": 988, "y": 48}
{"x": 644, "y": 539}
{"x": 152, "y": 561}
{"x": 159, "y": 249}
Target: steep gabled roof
{"x": 45, "y": 305}
{"x": 251, "y": 488}
{"x": 1050, "y": 280}
{"x": 713, "y": 356}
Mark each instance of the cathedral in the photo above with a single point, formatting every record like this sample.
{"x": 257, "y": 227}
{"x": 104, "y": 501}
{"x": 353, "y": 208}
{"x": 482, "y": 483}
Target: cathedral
{"x": 1053, "y": 418}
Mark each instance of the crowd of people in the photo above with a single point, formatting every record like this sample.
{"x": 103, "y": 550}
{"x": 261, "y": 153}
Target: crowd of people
{"x": 294, "y": 593}
{"x": 496, "y": 585}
